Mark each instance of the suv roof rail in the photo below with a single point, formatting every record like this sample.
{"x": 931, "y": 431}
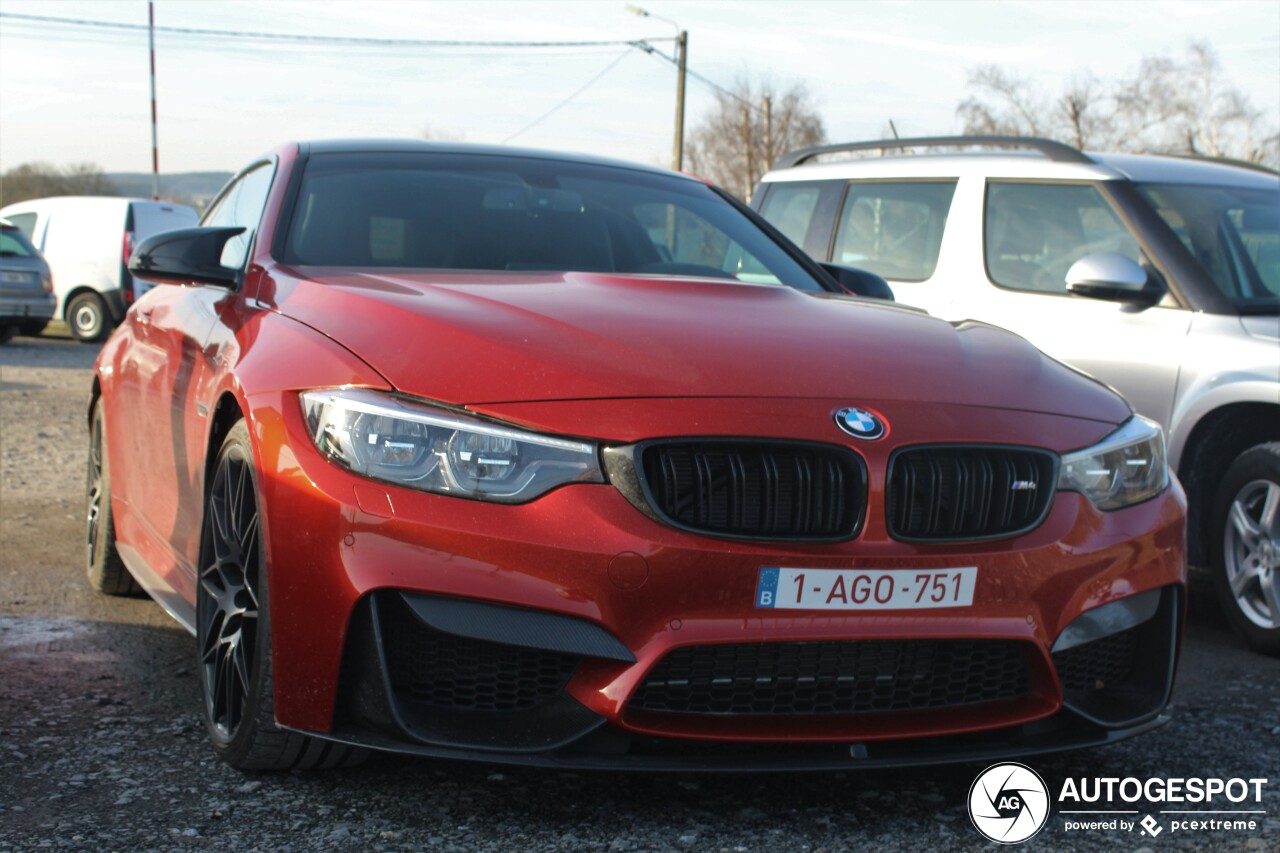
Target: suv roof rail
{"x": 1051, "y": 148}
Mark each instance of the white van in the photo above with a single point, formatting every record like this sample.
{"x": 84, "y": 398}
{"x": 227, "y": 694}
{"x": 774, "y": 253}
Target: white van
{"x": 87, "y": 241}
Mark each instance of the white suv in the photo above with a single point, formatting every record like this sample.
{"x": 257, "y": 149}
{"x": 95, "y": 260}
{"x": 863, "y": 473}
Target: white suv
{"x": 1179, "y": 260}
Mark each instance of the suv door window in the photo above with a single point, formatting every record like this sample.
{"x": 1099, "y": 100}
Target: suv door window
{"x": 1033, "y": 233}
{"x": 893, "y": 229}
{"x": 789, "y": 208}
{"x": 242, "y": 204}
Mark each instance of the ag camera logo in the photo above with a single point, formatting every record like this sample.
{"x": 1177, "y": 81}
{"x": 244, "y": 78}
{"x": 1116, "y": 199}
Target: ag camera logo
{"x": 1008, "y": 803}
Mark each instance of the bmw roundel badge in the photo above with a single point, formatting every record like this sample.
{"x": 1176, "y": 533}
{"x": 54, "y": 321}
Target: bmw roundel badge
{"x": 859, "y": 423}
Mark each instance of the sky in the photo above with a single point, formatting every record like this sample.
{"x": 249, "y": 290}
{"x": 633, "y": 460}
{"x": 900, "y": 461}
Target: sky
{"x": 72, "y": 95}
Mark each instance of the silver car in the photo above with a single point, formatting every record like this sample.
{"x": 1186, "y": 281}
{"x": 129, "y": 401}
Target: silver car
{"x": 1179, "y": 263}
{"x": 26, "y": 288}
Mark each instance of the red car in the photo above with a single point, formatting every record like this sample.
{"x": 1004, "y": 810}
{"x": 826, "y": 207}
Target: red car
{"x": 514, "y": 456}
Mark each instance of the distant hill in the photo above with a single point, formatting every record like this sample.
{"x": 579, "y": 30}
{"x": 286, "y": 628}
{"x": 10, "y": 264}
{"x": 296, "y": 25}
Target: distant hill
{"x": 195, "y": 188}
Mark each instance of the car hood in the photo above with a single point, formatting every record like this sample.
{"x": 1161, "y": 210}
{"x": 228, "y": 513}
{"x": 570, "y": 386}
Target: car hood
{"x": 472, "y": 339}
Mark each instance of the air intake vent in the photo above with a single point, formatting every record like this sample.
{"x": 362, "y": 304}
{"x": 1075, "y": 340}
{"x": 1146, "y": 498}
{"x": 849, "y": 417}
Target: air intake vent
{"x": 940, "y": 492}
{"x": 847, "y": 677}
{"x": 756, "y": 489}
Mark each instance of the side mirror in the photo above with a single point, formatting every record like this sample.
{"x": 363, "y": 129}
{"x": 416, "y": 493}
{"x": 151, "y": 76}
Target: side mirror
{"x": 1111, "y": 276}
{"x": 859, "y": 282}
{"x": 185, "y": 256}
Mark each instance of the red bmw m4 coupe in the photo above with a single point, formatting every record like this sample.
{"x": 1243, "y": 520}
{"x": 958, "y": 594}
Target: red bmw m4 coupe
{"x": 514, "y": 456}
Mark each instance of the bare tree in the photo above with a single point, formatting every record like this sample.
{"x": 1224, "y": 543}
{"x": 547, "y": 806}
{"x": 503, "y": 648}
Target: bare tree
{"x": 1168, "y": 106}
{"x": 751, "y": 126}
{"x": 40, "y": 180}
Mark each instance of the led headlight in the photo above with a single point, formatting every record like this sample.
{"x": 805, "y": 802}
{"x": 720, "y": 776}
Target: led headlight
{"x": 410, "y": 444}
{"x": 1125, "y": 468}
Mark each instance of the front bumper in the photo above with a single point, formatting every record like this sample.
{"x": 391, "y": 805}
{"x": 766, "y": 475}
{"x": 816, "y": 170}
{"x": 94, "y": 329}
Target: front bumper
{"x": 342, "y": 550}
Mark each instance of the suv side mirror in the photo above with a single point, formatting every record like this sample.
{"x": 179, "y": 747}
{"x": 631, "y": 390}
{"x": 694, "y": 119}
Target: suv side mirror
{"x": 859, "y": 282}
{"x": 1111, "y": 276}
{"x": 185, "y": 256}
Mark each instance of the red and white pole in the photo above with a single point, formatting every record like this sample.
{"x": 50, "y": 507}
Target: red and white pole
{"x": 155, "y": 149}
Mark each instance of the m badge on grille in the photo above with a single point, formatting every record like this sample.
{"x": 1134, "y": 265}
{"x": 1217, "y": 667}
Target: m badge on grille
{"x": 860, "y": 423}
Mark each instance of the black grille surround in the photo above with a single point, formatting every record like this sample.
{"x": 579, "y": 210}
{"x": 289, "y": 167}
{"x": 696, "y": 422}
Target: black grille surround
{"x": 964, "y": 492}
{"x": 745, "y": 488}
{"x": 836, "y": 677}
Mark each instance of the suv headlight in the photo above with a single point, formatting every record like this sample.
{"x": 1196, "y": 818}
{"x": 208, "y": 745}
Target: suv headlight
{"x": 414, "y": 445}
{"x": 1126, "y": 467}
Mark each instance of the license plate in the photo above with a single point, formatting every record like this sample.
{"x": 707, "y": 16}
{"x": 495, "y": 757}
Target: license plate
{"x": 16, "y": 277}
{"x": 865, "y": 589}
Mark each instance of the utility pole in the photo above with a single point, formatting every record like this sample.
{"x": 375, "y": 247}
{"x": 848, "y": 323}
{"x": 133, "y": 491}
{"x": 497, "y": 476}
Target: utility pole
{"x": 682, "y": 63}
{"x": 682, "y": 59}
{"x": 769, "y": 156}
{"x": 155, "y": 149}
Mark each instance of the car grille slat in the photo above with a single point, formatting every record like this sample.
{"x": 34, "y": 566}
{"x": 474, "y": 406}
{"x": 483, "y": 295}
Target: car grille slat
{"x": 953, "y": 492}
{"x": 756, "y": 490}
{"x": 839, "y": 677}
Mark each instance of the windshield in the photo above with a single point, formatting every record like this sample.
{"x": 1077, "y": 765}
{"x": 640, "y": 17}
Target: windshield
{"x": 485, "y": 212}
{"x": 1233, "y": 232}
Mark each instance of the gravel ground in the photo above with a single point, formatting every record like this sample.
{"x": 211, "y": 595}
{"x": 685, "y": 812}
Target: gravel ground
{"x": 101, "y": 746}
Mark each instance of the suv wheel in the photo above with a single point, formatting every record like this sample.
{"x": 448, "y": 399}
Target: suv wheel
{"x": 1247, "y": 561}
{"x": 87, "y": 317}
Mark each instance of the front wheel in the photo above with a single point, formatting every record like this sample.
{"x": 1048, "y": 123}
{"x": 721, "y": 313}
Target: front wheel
{"x": 87, "y": 318}
{"x": 233, "y": 628}
{"x": 1246, "y": 568}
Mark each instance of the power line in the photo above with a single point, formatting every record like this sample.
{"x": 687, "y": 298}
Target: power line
{"x": 322, "y": 39}
{"x": 582, "y": 89}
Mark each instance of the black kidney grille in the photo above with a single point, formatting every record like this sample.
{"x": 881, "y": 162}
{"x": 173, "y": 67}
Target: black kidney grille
{"x": 757, "y": 490}
{"x": 439, "y": 670}
{"x": 1097, "y": 664}
{"x": 847, "y": 677}
{"x": 942, "y": 492}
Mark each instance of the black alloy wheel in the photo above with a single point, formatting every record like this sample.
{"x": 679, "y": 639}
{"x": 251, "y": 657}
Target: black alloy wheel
{"x": 106, "y": 571}
{"x": 233, "y": 629}
{"x": 230, "y": 578}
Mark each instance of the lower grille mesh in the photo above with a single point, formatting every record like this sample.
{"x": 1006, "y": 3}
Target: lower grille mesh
{"x": 848, "y": 677}
{"x": 1099, "y": 663}
{"x": 441, "y": 670}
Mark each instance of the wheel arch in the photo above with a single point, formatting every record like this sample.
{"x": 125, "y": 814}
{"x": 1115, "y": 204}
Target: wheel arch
{"x": 1217, "y": 438}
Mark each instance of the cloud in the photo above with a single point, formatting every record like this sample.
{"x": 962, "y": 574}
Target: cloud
{"x": 976, "y": 53}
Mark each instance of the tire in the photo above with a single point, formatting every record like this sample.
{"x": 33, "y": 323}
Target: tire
{"x": 7, "y": 333}
{"x": 32, "y": 328}
{"x": 233, "y": 629}
{"x": 87, "y": 318}
{"x": 1246, "y": 559}
{"x": 106, "y": 571}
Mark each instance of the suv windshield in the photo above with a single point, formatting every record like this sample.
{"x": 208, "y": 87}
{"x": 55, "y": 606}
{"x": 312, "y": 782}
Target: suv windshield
{"x": 1233, "y": 232}
{"x": 488, "y": 212}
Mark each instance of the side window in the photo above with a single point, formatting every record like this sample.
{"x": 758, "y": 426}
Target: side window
{"x": 894, "y": 229}
{"x": 789, "y": 208}
{"x": 24, "y": 222}
{"x": 242, "y": 205}
{"x": 1033, "y": 233}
